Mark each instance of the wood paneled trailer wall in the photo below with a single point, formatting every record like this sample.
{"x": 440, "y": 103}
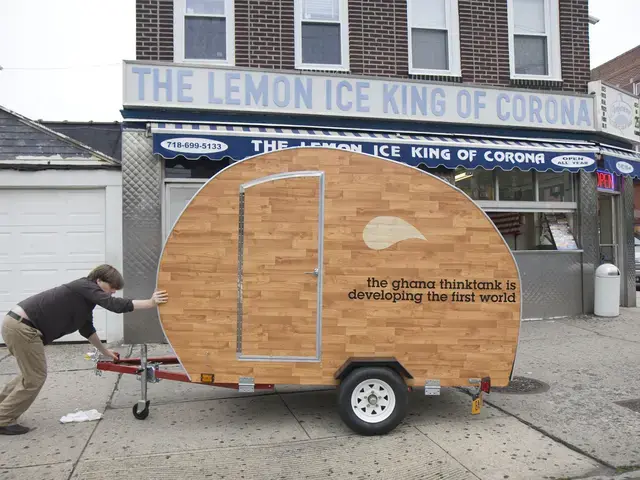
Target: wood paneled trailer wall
{"x": 285, "y": 265}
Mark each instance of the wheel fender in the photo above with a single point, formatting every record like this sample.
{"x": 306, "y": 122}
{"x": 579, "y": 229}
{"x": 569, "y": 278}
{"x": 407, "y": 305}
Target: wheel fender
{"x": 358, "y": 362}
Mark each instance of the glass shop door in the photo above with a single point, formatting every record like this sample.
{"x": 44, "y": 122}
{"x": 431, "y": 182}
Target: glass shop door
{"x": 608, "y": 228}
{"x": 610, "y": 233}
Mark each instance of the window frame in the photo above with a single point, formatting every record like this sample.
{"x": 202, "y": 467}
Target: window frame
{"x": 572, "y": 217}
{"x": 179, "y": 14}
{"x": 552, "y": 29}
{"x": 527, "y": 205}
{"x": 343, "y": 7}
{"x": 453, "y": 42}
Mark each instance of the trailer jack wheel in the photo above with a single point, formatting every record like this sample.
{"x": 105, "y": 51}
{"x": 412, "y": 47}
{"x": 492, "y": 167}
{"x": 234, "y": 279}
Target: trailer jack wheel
{"x": 372, "y": 400}
{"x": 141, "y": 415}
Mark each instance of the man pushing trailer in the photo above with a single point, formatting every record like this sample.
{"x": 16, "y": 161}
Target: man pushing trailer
{"x": 42, "y": 318}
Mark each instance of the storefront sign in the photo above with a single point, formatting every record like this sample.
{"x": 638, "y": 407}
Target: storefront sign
{"x": 212, "y": 88}
{"x": 621, "y": 164}
{"x": 617, "y": 111}
{"x": 605, "y": 181}
{"x": 560, "y": 231}
{"x": 239, "y": 147}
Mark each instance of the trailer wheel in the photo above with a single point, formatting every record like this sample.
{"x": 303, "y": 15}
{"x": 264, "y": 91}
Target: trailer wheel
{"x": 372, "y": 400}
{"x": 144, "y": 413}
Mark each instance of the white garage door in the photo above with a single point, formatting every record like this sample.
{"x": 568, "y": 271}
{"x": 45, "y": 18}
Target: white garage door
{"x": 49, "y": 237}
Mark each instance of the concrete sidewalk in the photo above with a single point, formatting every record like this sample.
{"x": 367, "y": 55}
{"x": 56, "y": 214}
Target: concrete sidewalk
{"x": 591, "y": 367}
{"x": 572, "y": 430}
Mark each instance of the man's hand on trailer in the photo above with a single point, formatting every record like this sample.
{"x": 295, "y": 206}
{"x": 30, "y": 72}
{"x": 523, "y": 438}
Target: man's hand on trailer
{"x": 96, "y": 342}
{"x": 158, "y": 297}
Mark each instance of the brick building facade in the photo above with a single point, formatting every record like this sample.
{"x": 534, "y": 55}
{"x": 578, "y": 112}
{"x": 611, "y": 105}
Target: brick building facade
{"x": 622, "y": 71}
{"x": 378, "y": 40}
{"x": 493, "y": 96}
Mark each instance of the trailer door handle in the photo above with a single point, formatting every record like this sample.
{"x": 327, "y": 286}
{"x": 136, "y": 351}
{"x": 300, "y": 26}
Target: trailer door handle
{"x": 314, "y": 273}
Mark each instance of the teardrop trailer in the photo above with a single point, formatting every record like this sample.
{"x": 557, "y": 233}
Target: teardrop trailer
{"x": 318, "y": 266}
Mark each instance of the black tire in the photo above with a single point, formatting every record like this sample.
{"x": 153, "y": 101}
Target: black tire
{"x": 387, "y": 421}
{"x": 144, "y": 413}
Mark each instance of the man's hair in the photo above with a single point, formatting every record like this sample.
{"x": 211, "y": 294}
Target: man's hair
{"x": 107, "y": 274}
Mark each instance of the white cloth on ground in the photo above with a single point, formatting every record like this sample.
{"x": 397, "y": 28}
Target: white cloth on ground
{"x": 82, "y": 416}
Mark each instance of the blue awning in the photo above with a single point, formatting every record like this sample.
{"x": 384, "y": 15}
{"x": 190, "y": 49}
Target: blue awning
{"x": 622, "y": 162}
{"x": 217, "y": 142}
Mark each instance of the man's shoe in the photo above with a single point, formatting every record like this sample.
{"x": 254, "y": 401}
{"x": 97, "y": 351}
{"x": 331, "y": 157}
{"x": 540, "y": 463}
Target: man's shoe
{"x": 14, "y": 430}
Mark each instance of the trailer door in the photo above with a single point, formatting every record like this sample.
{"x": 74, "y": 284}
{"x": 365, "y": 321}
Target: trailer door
{"x": 280, "y": 267}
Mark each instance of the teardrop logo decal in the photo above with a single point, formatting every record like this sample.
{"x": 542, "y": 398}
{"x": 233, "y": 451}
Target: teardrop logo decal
{"x": 384, "y": 232}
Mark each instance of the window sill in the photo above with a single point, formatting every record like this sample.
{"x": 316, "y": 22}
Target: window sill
{"x": 546, "y": 252}
{"x": 535, "y": 78}
{"x": 435, "y": 73}
{"x": 323, "y": 68}
{"x": 526, "y": 206}
{"x": 202, "y": 61}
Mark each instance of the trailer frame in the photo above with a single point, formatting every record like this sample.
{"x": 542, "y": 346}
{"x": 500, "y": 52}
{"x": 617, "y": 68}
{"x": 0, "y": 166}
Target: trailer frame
{"x": 148, "y": 370}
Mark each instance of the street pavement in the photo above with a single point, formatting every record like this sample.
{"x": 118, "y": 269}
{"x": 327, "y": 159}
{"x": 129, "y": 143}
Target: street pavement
{"x": 590, "y": 364}
{"x": 570, "y": 427}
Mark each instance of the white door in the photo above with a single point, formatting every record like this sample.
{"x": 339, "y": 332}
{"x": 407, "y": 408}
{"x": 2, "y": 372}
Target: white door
{"x": 176, "y": 197}
{"x": 50, "y": 236}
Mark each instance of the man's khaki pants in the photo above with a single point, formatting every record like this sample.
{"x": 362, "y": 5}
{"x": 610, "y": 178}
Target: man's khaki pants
{"x": 25, "y": 344}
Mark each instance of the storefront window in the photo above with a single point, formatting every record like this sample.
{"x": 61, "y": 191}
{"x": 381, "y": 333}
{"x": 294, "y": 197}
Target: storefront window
{"x": 478, "y": 184}
{"x": 555, "y": 187}
{"x": 516, "y": 186}
{"x": 536, "y": 230}
{"x": 181, "y": 167}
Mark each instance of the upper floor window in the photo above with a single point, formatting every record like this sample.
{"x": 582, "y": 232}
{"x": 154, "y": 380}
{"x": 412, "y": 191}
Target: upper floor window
{"x": 534, "y": 39}
{"x": 322, "y": 34}
{"x": 204, "y": 31}
{"x": 434, "y": 46}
